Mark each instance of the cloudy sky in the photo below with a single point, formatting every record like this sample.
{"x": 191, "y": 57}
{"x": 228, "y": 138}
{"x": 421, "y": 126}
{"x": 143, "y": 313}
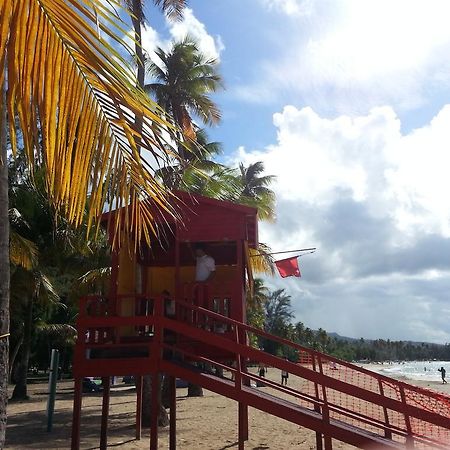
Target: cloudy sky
{"x": 347, "y": 102}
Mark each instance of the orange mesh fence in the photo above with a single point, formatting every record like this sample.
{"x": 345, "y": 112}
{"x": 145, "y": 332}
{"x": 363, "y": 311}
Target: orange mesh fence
{"x": 368, "y": 414}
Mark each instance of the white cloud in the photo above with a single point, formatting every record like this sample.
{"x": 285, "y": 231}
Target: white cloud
{"x": 352, "y": 55}
{"x": 375, "y": 203}
{"x": 209, "y": 45}
{"x": 290, "y": 7}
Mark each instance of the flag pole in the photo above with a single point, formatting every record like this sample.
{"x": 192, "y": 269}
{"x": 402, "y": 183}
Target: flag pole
{"x": 286, "y": 251}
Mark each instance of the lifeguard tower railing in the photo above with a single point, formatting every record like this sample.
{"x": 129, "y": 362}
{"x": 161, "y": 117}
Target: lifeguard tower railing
{"x": 335, "y": 398}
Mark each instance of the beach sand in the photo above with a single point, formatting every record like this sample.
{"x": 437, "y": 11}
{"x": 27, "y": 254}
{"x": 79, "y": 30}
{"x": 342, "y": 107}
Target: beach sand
{"x": 205, "y": 423}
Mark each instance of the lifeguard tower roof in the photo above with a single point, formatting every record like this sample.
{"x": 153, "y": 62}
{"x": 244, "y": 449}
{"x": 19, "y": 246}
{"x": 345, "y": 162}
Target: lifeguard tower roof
{"x": 204, "y": 219}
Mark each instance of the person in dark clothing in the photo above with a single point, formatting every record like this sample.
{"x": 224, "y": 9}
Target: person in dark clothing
{"x": 443, "y": 372}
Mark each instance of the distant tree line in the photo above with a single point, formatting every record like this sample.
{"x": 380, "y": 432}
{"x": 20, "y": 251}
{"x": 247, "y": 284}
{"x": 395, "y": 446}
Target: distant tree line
{"x": 272, "y": 311}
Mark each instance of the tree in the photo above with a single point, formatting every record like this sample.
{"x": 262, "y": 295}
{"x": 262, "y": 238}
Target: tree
{"x": 255, "y": 189}
{"x": 184, "y": 78}
{"x": 29, "y": 287}
{"x": 278, "y": 315}
{"x": 173, "y": 9}
{"x": 76, "y": 100}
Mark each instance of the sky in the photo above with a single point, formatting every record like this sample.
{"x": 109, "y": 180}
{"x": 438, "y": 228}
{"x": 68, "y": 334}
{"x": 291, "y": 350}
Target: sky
{"x": 347, "y": 102}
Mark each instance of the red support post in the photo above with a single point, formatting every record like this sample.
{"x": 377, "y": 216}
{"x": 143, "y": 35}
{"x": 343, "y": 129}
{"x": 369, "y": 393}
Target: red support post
{"x": 138, "y": 407}
{"x": 154, "y": 412}
{"x": 243, "y": 425}
{"x": 387, "y": 433}
{"x": 173, "y": 414}
{"x": 319, "y": 442}
{"x": 325, "y": 410}
{"x": 409, "y": 436}
{"x": 78, "y": 389}
{"x": 106, "y": 382}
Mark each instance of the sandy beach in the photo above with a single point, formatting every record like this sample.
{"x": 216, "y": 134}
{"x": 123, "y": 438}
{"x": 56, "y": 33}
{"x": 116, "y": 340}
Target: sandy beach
{"x": 207, "y": 423}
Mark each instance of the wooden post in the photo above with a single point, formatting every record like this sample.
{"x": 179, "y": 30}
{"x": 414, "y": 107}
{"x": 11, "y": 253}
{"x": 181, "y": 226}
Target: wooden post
{"x": 319, "y": 443}
{"x": 173, "y": 414}
{"x": 243, "y": 425}
{"x": 106, "y": 382}
{"x": 387, "y": 433}
{"x": 154, "y": 412}
{"x": 138, "y": 407}
{"x": 325, "y": 410}
{"x": 77, "y": 400}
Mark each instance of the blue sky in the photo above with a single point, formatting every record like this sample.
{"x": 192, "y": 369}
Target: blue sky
{"x": 347, "y": 102}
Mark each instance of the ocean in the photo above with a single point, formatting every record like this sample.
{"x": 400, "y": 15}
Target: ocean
{"x": 414, "y": 370}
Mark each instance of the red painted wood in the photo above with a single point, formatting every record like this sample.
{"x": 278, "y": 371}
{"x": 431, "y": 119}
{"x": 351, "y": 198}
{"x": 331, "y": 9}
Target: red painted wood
{"x": 154, "y": 412}
{"x": 77, "y": 402}
{"x": 139, "y": 387}
{"x": 201, "y": 344}
{"x": 173, "y": 414}
{"x": 106, "y": 382}
{"x": 284, "y": 409}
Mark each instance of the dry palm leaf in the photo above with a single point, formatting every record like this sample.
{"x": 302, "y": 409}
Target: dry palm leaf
{"x": 76, "y": 100}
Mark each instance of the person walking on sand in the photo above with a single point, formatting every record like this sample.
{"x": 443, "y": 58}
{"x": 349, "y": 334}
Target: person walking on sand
{"x": 284, "y": 377}
{"x": 443, "y": 372}
{"x": 262, "y": 370}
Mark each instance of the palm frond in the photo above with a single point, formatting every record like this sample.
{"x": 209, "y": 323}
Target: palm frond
{"x": 172, "y": 8}
{"x": 61, "y": 331}
{"x": 94, "y": 276}
{"x": 22, "y": 252}
{"x": 261, "y": 259}
{"x": 77, "y": 100}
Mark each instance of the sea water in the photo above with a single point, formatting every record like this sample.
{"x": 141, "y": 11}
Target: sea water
{"x": 414, "y": 370}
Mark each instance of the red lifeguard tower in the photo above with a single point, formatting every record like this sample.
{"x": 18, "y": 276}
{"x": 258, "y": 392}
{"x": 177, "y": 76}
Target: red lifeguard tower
{"x": 157, "y": 319}
{"x": 117, "y": 334}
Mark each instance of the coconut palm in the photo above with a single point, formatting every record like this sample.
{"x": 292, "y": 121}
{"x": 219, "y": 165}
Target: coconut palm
{"x": 256, "y": 191}
{"x": 28, "y": 288}
{"x": 75, "y": 99}
{"x": 173, "y": 9}
{"x": 278, "y": 315}
{"x": 184, "y": 78}
{"x": 256, "y": 300}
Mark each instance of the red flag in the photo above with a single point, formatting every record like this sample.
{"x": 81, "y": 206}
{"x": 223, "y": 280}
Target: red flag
{"x": 288, "y": 267}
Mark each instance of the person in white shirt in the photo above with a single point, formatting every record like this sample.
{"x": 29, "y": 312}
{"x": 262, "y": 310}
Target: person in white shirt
{"x": 205, "y": 267}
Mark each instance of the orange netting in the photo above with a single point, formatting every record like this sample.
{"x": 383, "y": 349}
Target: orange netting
{"x": 342, "y": 405}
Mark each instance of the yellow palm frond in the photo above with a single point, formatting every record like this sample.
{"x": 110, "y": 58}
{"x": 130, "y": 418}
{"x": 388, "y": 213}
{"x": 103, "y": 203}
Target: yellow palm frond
{"x": 260, "y": 259}
{"x": 76, "y": 100}
{"x": 22, "y": 252}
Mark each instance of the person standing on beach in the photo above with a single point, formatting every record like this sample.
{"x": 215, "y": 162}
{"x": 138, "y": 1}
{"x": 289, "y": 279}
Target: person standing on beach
{"x": 443, "y": 372}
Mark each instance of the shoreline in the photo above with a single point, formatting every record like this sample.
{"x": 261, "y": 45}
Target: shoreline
{"x": 433, "y": 384}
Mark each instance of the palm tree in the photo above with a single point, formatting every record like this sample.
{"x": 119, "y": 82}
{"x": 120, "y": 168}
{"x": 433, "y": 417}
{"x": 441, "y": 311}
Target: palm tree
{"x": 256, "y": 300}
{"x": 173, "y": 9}
{"x": 255, "y": 189}
{"x": 30, "y": 287}
{"x": 184, "y": 78}
{"x": 76, "y": 101}
{"x": 278, "y": 317}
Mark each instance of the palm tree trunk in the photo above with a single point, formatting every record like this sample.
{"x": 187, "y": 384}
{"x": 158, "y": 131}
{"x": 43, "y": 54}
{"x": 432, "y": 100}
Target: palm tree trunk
{"x": 163, "y": 417}
{"x": 136, "y": 19}
{"x": 20, "y": 389}
{"x": 13, "y": 354}
{"x": 4, "y": 270}
{"x": 194, "y": 390}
